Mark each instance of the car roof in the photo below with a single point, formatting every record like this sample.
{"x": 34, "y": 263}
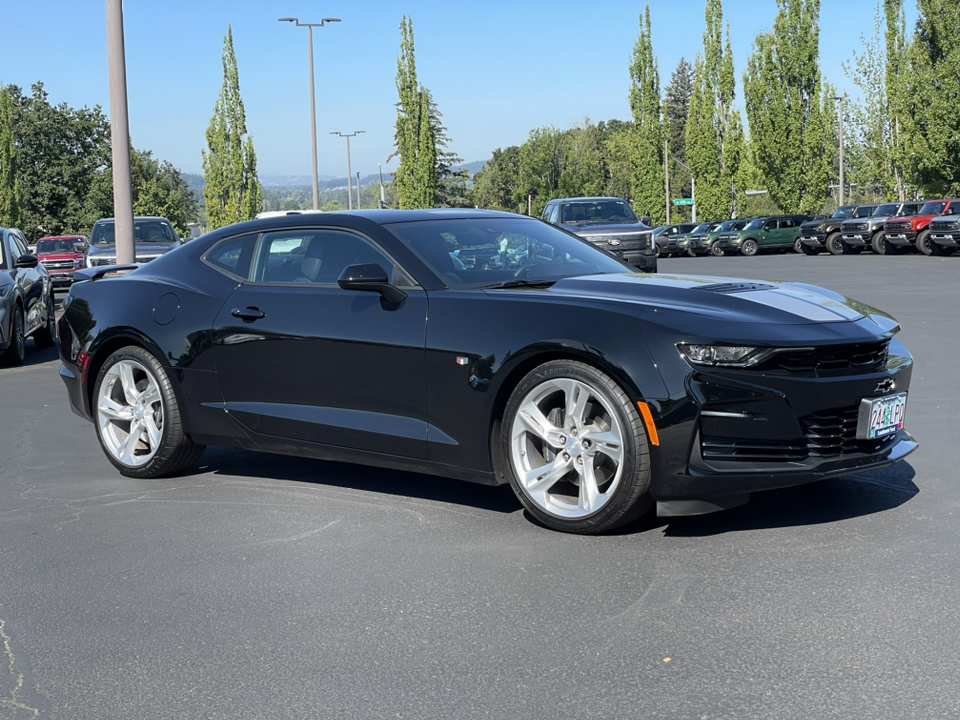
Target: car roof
{"x": 138, "y": 217}
{"x": 586, "y": 199}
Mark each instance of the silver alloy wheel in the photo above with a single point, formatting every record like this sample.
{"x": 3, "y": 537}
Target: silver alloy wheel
{"x": 566, "y": 447}
{"x": 130, "y": 413}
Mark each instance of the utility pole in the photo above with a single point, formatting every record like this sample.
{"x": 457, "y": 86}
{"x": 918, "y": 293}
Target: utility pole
{"x": 349, "y": 168}
{"x": 383, "y": 197}
{"x": 666, "y": 176}
{"x": 842, "y": 192}
{"x": 358, "y": 190}
{"x": 120, "y": 135}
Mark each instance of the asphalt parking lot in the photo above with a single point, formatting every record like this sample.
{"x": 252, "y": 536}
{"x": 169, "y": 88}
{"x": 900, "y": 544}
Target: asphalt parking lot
{"x": 272, "y": 587}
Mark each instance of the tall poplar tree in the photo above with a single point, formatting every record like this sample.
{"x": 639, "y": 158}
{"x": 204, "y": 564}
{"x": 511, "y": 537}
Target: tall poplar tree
{"x": 647, "y": 140}
{"x": 10, "y": 199}
{"x": 784, "y": 104}
{"x": 676, "y": 112}
{"x": 232, "y": 190}
{"x": 715, "y": 133}
{"x": 416, "y": 137}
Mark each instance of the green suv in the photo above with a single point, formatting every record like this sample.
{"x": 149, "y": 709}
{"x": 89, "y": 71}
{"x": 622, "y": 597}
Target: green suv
{"x": 780, "y": 231}
{"x": 698, "y": 241}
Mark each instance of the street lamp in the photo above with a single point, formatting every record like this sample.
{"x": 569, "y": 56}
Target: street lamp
{"x": 313, "y": 100}
{"x": 349, "y": 169}
{"x": 842, "y": 193}
{"x": 693, "y": 189}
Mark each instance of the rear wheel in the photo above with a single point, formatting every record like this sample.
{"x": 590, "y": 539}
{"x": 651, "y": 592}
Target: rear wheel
{"x": 835, "y": 244}
{"x": 574, "y": 449}
{"x": 924, "y": 243}
{"x": 15, "y": 354}
{"x": 138, "y": 419}
{"x": 749, "y": 247}
{"x": 798, "y": 246}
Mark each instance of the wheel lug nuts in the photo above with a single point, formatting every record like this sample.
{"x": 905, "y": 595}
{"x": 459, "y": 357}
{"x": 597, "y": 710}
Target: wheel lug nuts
{"x": 579, "y": 461}
{"x": 563, "y": 440}
{"x": 573, "y": 431}
{"x": 566, "y": 456}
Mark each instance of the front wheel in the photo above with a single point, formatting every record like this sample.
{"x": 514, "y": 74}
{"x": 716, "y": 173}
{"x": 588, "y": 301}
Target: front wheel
{"x": 47, "y": 335}
{"x": 749, "y": 247}
{"x": 17, "y": 352}
{"x": 798, "y": 246}
{"x": 716, "y": 250}
{"x": 138, "y": 419}
{"x": 574, "y": 449}
{"x": 924, "y": 243}
{"x": 835, "y": 244}
{"x": 808, "y": 250}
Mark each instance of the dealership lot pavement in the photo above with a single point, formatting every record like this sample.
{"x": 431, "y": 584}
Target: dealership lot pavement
{"x": 271, "y": 587}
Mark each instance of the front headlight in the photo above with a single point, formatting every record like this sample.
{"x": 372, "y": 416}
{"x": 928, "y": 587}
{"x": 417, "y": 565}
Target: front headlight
{"x": 78, "y": 262}
{"x": 725, "y": 355}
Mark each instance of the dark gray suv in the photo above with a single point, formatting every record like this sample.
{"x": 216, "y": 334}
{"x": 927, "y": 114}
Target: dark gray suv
{"x": 608, "y": 223}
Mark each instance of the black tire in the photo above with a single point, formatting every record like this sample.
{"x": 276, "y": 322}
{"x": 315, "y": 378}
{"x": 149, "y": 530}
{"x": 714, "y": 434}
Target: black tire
{"x": 47, "y": 335}
{"x": 749, "y": 247}
{"x": 849, "y": 249}
{"x": 716, "y": 250}
{"x": 939, "y": 250}
{"x": 659, "y": 251}
{"x": 627, "y": 495}
{"x": 176, "y": 451}
{"x": 808, "y": 250}
{"x": 691, "y": 253}
{"x": 834, "y": 243}
{"x": 879, "y": 244}
{"x": 17, "y": 352}
{"x": 924, "y": 242}
{"x": 798, "y": 246}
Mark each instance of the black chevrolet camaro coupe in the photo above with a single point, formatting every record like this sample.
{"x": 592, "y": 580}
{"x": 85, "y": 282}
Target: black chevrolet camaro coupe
{"x": 377, "y": 337}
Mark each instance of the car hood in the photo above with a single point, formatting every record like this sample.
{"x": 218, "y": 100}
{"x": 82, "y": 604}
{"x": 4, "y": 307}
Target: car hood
{"x": 724, "y": 300}
{"x": 150, "y": 248}
{"x": 611, "y": 228}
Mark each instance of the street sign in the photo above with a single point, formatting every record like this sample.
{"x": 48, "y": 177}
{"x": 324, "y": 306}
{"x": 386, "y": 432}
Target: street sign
{"x": 683, "y": 201}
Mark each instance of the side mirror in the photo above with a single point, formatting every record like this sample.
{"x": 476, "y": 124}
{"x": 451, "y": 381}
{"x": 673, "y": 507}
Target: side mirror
{"x": 27, "y": 261}
{"x": 370, "y": 277}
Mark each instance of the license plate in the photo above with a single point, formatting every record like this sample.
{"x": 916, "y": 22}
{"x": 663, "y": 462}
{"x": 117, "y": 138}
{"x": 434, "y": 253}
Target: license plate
{"x": 880, "y": 417}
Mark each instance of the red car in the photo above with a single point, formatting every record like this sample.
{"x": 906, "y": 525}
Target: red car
{"x": 62, "y": 256}
{"x": 901, "y": 233}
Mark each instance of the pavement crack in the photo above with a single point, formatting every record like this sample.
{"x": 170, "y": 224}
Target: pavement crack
{"x": 11, "y": 699}
{"x": 301, "y": 536}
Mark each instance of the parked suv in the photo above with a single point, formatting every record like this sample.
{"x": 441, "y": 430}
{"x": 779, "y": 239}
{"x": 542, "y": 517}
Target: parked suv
{"x": 62, "y": 256}
{"x": 608, "y": 223}
{"x": 903, "y": 233}
{"x": 698, "y": 241}
{"x": 765, "y": 233}
{"x": 858, "y": 233}
{"x": 672, "y": 239}
{"x": 153, "y": 236}
{"x": 815, "y": 234}
{"x": 945, "y": 234}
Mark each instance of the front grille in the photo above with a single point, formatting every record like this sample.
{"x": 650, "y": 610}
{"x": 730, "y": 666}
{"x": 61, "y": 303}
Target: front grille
{"x": 810, "y": 231}
{"x": 854, "y": 227}
{"x": 103, "y": 261}
{"x": 944, "y": 226}
{"x": 826, "y": 434}
{"x": 58, "y": 264}
{"x": 897, "y": 227}
{"x": 640, "y": 240}
{"x": 830, "y": 360}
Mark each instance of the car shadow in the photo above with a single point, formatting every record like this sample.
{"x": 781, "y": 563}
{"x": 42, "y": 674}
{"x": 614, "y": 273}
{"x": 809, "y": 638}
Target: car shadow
{"x": 245, "y": 463}
{"x": 827, "y": 501}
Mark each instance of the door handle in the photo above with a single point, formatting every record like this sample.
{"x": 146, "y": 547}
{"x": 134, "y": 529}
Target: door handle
{"x": 248, "y": 314}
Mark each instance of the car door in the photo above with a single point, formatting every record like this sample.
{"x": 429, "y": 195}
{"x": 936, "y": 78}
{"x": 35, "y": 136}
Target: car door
{"x": 30, "y": 283}
{"x": 787, "y": 231}
{"x": 768, "y": 234}
{"x": 299, "y": 357}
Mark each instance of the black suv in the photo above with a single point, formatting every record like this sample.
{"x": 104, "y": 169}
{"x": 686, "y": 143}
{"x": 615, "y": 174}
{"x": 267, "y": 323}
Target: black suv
{"x": 672, "y": 239}
{"x": 608, "y": 223}
{"x": 817, "y": 235}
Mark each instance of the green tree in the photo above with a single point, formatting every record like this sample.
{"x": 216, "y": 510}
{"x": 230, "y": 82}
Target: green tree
{"x": 497, "y": 186}
{"x": 784, "y": 104}
{"x": 10, "y": 199}
{"x": 415, "y": 137}
{"x": 647, "y": 137}
{"x": 60, "y": 151}
{"x": 676, "y": 111}
{"x": 715, "y": 130}
{"x": 232, "y": 191}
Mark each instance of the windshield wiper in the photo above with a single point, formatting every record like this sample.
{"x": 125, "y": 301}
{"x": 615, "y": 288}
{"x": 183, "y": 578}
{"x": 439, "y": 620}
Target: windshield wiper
{"x": 519, "y": 283}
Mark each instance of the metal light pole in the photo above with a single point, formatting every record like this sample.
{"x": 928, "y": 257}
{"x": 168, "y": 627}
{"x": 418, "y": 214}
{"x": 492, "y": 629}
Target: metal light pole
{"x": 383, "y": 199}
{"x": 120, "y": 136}
{"x": 693, "y": 190}
{"x": 842, "y": 193}
{"x": 313, "y": 101}
{"x": 349, "y": 169}
{"x": 359, "y": 204}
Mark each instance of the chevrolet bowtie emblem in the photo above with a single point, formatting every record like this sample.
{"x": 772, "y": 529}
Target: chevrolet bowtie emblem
{"x": 885, "y": 386}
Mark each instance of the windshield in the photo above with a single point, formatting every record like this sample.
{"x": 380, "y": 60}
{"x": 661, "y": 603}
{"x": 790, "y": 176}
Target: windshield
{"x": 53, "y": 246}
{"x": 728, "y": 225}
{"x": 843, "y": 212}
{"x": 597, "y": 211}
{"x": 702, "y": 227}
{"x": 478, "y": 252}
{"x": 863, "y": 212}
{"x": 153, "y": 230}
{"x": 886, "y": 210}
{"x": 933, "y": 208}
{"x": 755, "y": 224}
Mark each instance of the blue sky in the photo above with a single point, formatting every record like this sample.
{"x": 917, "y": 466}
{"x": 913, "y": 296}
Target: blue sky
{"x": 496, "y": 69}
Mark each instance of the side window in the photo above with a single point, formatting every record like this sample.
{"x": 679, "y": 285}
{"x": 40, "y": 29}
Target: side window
{"x": 770, "y": 225}
{"x": 233, "y": 256}
{"x": 786, "y": 223}
{"x": 554, "y": 214}
{"x": 546, "y": 212}
{"x": 311, "y": 256}
{"x": 19, "y": 245}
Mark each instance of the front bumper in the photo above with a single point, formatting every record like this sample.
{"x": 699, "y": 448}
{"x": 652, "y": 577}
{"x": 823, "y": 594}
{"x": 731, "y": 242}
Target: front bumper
{"x": 814, "y": 240}
{"x": 699, "y": 246}
{"x": 745, "y": 431}
{"x": 857, "y": 239}
{"x": 902, "y": 238}
{"x": 949, "y": 239}
{"x": 640, "y": 260}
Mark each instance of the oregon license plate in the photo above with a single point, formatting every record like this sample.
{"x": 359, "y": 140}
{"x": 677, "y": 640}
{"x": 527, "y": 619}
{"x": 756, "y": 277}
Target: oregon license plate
{"x": 880, "y": 417}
